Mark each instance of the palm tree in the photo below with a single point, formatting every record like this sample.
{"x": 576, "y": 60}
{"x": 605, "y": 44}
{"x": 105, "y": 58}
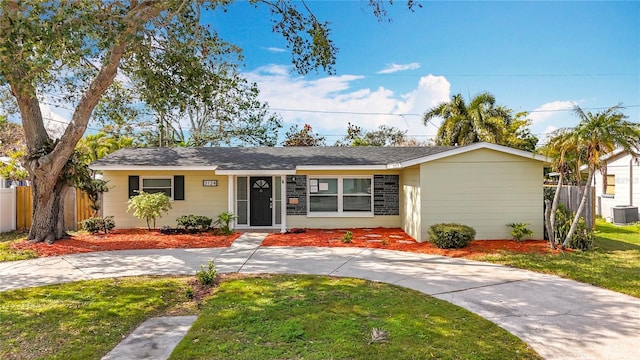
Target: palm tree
{"x": 562, "y": 148}
{"x": 464, "y": 124}
{"x": 598, "y": 134}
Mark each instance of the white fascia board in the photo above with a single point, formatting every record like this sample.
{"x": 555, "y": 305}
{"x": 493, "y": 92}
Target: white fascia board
{"x": 608, "y": 157}
{"x": 255, "y": 172}
{"x": 341, "y": 167}
{"x": 152, "y": 168}
{"x": 472, "y": 147}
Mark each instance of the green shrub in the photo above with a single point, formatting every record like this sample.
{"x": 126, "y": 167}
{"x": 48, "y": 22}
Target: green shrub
{"x": 149, "y": 206}
{"x": 223, "y": 223}
{"x": 347, "y": 238}
{"x": 520, "y": 230}
{"x": 583, "y": 237}
{"x": 451, "y": 236}
{"x": 207, "y": 276}
{"x": 97, "y": 224}
{"x": 194, "y": 222}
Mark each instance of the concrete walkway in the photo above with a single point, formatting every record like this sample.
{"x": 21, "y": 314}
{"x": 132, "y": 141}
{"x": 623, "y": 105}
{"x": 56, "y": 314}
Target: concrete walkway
{"x": 559, "y": 318}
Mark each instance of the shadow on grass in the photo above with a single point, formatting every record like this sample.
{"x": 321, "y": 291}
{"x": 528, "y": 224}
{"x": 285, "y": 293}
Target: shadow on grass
{"x": 12, "y": 235}
{"x": 616, "y": 229}
{"x": 607, "y": 245}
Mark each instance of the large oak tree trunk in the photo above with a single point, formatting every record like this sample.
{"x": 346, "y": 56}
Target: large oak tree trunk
{"x": 47, "y": 222}
{"x": 46, "y": 165}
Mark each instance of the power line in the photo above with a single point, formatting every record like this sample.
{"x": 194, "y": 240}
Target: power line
{"x": 414, "y": 114}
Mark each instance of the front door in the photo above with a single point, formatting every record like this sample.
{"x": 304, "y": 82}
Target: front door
{"x": 261, "y": 201}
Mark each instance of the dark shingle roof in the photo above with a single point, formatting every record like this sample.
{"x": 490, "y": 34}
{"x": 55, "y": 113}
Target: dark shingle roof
{"x": 265, "y": 158}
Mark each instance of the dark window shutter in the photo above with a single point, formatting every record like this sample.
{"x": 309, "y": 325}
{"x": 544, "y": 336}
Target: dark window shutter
{"x": 134, "y": 185}
{"x": 178, "y": 187}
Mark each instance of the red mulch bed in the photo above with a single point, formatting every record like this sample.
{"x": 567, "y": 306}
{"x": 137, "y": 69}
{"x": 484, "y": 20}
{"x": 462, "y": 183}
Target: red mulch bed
{"x": 396, "y": 239}
{"x": 128, "y": 239}
{"x": 380, "y": 238}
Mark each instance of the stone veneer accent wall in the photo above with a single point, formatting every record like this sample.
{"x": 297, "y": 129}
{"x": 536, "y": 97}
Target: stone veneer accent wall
{"x": 297, "y": 188}
{"x": 386, "y": 195}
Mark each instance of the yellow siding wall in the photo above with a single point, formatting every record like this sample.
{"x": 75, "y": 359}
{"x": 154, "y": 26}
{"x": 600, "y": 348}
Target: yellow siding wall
{"x": 301, "y": 221}
{"x": 199, "y": 200}
{"x": 410, "y": 202}
{"x": 484, "y": 189}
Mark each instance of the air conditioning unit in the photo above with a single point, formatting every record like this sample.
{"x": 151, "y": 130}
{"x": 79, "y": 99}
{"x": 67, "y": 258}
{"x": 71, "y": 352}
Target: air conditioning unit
{"x": 625, "y": 214}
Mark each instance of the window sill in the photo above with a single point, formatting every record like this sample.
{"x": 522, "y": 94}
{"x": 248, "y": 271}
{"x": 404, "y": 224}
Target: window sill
{"x": 340, "y": 215}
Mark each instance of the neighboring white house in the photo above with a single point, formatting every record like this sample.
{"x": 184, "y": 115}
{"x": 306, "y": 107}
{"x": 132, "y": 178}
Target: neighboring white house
{"x": 617, "y": 184}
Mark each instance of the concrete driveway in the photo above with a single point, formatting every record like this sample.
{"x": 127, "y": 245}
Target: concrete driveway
{"x": 559, "y": 318}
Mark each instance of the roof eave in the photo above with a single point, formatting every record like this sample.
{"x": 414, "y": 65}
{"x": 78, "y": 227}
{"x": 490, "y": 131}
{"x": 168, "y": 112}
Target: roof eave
{"x": 341, "y": 167}
{"x": 468, "y": 148}
{"x": 255, "y": 172}
{"x": 150, "y": 167}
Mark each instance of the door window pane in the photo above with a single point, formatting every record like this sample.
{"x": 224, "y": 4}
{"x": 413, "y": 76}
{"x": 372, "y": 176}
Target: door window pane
{"x": 242, "y": 188}
{"x": 242, "y": 212}
{"x": 278, "y": 200}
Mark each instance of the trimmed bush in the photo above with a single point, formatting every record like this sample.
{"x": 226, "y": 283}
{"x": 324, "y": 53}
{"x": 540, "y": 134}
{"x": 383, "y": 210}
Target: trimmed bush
{"x": 207, "y": 276}
{"x": 223, "y": 224}
{"x": 519, "y": 230}
{"x": 194, "y": 222}
{"x": 451, "y": 236}
{"x": 97, "y": 224}
{"x": 347, "y": 238}
{"x": 149, "y": 206}
{"x": 582, "y": 239}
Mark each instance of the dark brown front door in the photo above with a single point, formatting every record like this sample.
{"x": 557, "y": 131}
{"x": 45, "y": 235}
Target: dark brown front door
{"x": 261, "y": 201}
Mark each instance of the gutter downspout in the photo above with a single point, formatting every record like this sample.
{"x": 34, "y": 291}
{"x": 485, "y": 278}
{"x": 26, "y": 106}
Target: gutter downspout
{"x": 631, "y": 181}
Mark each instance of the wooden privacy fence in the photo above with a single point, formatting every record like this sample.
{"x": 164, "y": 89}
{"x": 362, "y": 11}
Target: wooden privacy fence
{"x": 77, "y": 207}
{"x": 570, "y": 197}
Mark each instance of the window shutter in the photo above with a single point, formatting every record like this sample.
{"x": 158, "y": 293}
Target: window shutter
{"x": 134, "y": 185}
{"x": 178, "y": 187}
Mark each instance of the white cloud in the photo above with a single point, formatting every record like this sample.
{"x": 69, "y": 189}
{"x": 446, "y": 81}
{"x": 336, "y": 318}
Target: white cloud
{"x": 392, "y": 68}
{"x": 55, "y": 119}
{"x": 544, "y": 138}
{"x": 547, "y": 111}
{"x": 276, "y": 49}
{"x": 329, "y": 103}
{"x": 551, "y": 116}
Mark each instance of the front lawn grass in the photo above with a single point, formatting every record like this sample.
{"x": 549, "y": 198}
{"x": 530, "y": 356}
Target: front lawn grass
{"x": 9, "y": 254}
{"x": 614, "y": 263}
{"x": 83, "y": 320}
{"x": 311, "y": 317}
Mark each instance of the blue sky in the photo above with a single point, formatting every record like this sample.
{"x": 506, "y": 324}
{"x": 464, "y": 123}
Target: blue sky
{"x": 533, "y": 56}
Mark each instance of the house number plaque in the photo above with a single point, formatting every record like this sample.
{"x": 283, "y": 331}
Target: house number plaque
{"x": 209, "y": 183}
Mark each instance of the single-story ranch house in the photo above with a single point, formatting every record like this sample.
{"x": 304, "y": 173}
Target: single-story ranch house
{"x": 481, "y": 185}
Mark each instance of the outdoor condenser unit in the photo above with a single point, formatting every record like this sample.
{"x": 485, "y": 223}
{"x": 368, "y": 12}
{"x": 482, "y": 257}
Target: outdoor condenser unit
{"x": 625, "y": 214}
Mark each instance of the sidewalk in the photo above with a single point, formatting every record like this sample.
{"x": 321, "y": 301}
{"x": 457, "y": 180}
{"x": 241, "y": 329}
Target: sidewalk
{"x": 559, "y": 318}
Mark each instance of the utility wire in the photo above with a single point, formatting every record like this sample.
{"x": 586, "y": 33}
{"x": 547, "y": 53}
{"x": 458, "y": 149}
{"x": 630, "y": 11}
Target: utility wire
{"x": 414, "y": 114}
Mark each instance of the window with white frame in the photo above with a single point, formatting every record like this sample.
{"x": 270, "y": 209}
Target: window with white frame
{"x": 342, "y": 195}
{"x": 158, "y": 185}
{"x": 609, "y": 185}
